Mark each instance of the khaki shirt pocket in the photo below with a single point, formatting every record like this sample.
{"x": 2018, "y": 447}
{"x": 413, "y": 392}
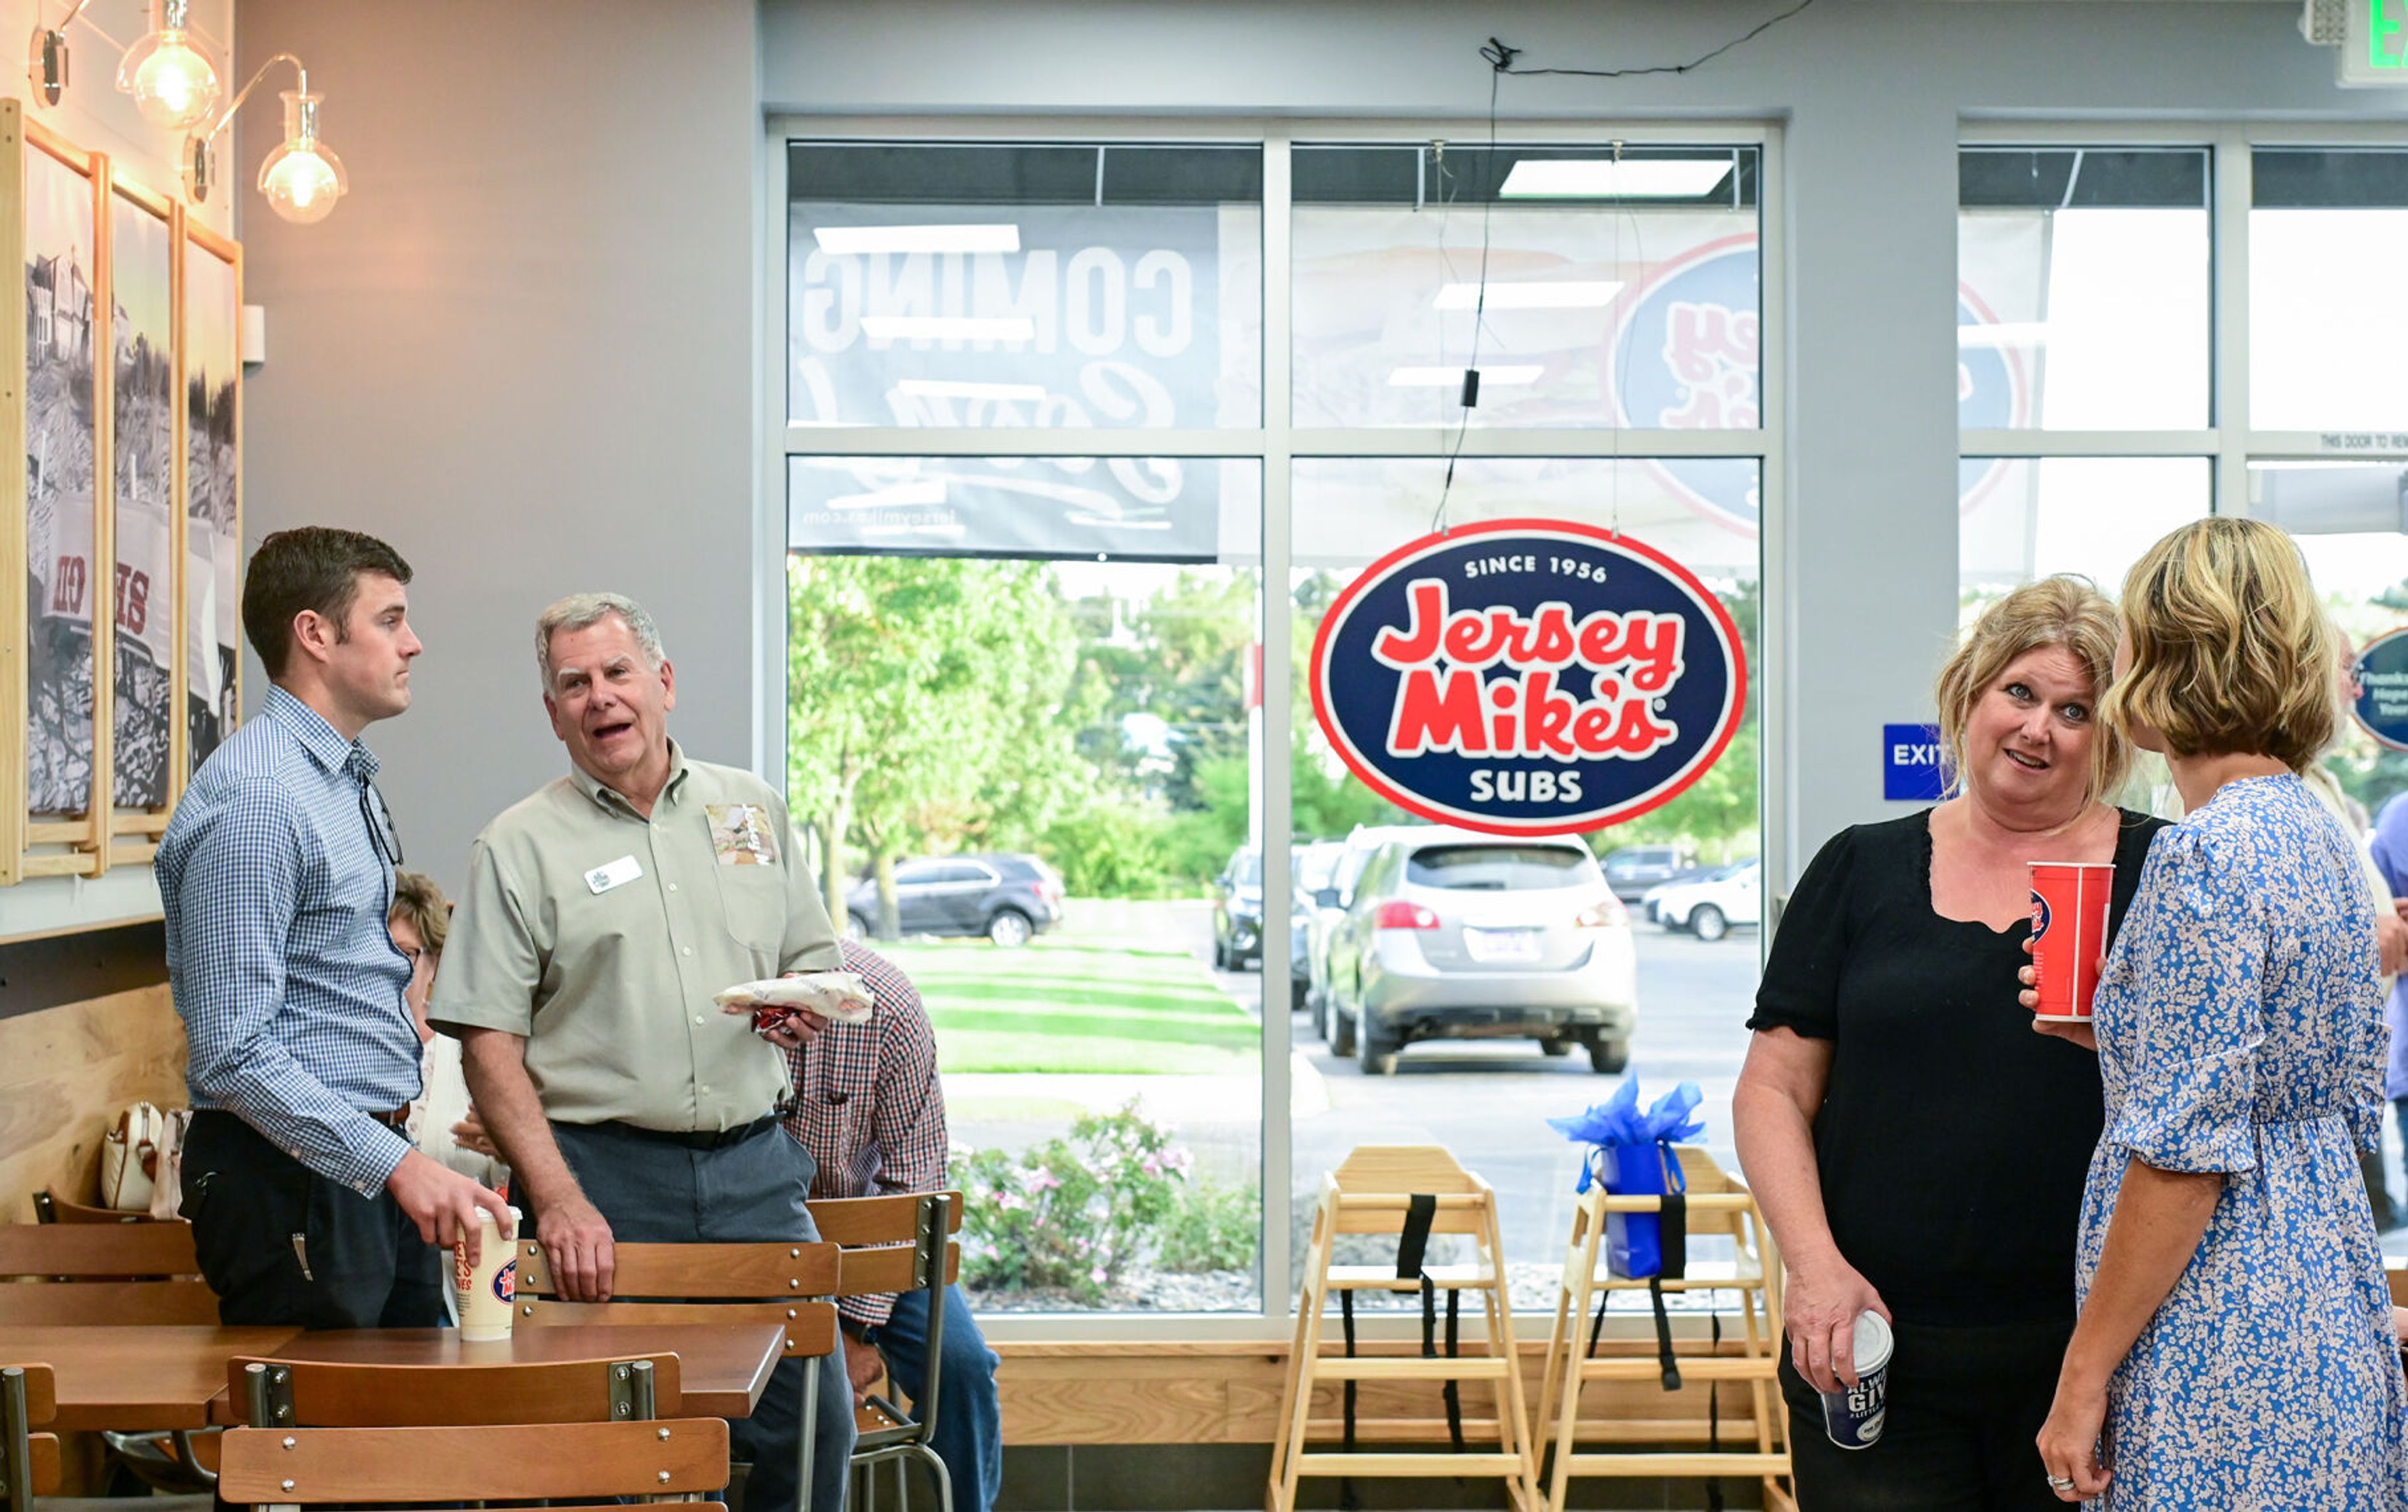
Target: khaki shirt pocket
{"x": 753, "y": 900}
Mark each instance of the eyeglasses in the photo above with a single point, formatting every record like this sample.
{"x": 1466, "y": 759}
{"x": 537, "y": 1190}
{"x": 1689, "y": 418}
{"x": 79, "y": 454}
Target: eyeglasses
{"x": 385, "y": 836}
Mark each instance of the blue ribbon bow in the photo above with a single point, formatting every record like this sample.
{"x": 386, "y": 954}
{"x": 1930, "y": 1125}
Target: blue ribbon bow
{"x": 1619, "y": 1121}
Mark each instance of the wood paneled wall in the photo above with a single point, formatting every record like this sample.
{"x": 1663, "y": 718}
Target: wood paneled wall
{"x": 65, "y": 1073}
{"x": 1198, "y": 1392}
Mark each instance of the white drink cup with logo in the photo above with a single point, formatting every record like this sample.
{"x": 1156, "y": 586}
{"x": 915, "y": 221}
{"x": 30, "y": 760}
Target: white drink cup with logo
{"x": 486, "y": 1290}
{"x": 1853, "y": 1416}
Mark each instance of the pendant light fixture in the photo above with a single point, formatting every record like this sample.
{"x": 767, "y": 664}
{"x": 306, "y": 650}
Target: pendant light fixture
{"x": 173, "y": 82}
{"x": 302, "y": 177}
{"x": 46, "y": 59}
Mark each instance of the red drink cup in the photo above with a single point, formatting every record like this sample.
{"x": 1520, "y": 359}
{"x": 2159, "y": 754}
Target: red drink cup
{"x": 2069, "y": 934}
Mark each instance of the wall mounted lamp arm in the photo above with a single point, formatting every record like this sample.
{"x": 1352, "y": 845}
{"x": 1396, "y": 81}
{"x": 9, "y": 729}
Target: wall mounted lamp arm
{"x": 301, "y": 87}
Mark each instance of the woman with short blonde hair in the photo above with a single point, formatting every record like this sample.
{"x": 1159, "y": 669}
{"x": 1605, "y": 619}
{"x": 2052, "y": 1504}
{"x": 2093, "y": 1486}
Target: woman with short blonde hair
{"x": 1919, "y": 1150}
{"x": 2235, "y": 1344}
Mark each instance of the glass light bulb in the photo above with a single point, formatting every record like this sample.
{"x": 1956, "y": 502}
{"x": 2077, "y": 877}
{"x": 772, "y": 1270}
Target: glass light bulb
{"x": 301, "y": 186}
{"x": 302, "y": 177}
{"x": 174, "y": 84}
{"x": 176, "y": 87}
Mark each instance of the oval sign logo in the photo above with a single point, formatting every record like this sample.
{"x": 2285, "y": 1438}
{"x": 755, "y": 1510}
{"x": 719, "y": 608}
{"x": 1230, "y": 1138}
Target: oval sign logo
{"x": 1529, "y": 677}
{"x": 2379, "y": 689}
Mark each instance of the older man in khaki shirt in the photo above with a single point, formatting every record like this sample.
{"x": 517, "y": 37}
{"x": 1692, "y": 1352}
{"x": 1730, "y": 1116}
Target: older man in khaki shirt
{"x": 600, "y": 916}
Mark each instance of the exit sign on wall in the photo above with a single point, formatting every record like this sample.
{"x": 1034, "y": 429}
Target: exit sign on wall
{"x": 2374, "y": 50}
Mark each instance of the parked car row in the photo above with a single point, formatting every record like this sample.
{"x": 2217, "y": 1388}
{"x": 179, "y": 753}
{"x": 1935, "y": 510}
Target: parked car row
{"x": 1709, "y": 905}
{"x": 1011, "y": 898}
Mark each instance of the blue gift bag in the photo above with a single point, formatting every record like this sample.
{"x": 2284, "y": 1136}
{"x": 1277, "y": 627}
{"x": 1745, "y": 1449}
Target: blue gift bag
{"x": 1635, "y": 1241}
{"x": 1633, "y": 1155}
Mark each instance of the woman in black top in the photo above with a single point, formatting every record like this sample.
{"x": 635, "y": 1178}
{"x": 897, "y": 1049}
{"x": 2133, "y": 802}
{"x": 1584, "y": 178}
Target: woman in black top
{"x": 1919, "y": 1150}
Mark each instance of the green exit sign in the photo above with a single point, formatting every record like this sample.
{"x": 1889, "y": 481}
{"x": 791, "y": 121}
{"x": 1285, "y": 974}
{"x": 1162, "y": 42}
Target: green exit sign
{"x": 2375, "y": 50}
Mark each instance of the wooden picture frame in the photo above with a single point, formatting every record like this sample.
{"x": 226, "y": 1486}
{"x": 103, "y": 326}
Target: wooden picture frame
{"x": 208, "y": 479}
{"x": 54, "y": 509}
{"x": 146, "y": 711}
{"x": 120, "y": 534}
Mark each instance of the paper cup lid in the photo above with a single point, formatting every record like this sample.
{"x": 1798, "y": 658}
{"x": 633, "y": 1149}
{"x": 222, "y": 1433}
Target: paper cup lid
{"x": 1872, "y": 1342}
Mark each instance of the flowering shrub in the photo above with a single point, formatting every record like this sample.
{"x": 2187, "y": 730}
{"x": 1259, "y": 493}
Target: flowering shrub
{"x": 1074, "y": 1213}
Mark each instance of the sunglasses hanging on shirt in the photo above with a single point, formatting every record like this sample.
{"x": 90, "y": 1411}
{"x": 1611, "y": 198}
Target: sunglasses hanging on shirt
{"x": 382, "y": 833}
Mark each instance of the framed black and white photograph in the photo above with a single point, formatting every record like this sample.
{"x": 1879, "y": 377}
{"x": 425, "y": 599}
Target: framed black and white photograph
{"x": 51, "y": 520}
{"x": 212, "y": 358}
{"x": 143, "y": 712}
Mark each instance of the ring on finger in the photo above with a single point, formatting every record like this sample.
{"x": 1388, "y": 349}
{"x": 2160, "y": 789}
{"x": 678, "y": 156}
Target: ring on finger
{"x": 2063, "y": 1483}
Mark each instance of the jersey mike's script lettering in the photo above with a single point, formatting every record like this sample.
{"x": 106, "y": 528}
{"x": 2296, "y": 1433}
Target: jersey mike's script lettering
{"x": 1569, "y": 689}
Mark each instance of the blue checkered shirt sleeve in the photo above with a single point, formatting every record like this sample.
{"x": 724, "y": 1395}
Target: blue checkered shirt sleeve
{"x": 239, "y": 886}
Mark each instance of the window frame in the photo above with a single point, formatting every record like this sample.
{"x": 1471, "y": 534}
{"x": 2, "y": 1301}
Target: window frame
{"x": 2229, "y": 441}
{"x": 1276, "y": 444}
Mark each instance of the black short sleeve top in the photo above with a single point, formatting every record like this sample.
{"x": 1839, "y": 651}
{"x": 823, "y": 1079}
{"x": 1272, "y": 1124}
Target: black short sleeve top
{"x": 1953, "y": 1141}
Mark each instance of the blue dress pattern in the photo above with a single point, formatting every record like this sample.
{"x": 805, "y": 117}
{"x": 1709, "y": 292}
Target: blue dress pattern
{"x": 2239, "y": 1024}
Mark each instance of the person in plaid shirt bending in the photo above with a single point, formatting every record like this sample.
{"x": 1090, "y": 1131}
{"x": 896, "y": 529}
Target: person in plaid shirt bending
{"x": 870, "y": 1109}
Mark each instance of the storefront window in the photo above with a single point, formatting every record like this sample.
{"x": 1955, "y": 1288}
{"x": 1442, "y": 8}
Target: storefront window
{"x": 1692, "y": 958}
{"x": 1027, "y": 738}
{"x": 2081, "y": 301}
{"x": 1628, "y": 296}
{"x": 1009, "y": 286}
{"x": 2324, "y": 343}
{"x": 2027, "y": 517}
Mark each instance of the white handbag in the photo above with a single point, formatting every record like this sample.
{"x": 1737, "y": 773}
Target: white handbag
{"x": 167, "y": 1180}
{"x": 129, "y": 1158}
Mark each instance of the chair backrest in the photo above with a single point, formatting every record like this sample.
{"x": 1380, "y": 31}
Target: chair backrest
{"x": 29, "y": 1462}
{"x": 307, "y": 1393}
{"x": 689, "y": 1272}
{"x": 571, "y": 1462}
{"x": 810, "y": 1325}
{"x": 50, "y": 1207}
{"x": 1372, "y": 1186}
{"x": 97, "y": 1251}
{"x": 142, "y": 1273}
{"x": 893, "y": 1243}
{"x": 773, "y": 1282}
{"x": 2397, "y": 1280}
{"x": 899, "y": 1244}
{"x": 143, "y": 1304}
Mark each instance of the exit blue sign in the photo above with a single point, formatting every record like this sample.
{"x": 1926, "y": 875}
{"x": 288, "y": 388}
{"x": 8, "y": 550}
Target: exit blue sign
{"x": 1911, "y": 772}
{"x": 2375, "y": 49}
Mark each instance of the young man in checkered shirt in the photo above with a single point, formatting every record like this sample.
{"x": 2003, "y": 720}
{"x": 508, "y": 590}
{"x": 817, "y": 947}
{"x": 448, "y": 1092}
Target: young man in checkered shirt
{"x": 868, "y": 1108}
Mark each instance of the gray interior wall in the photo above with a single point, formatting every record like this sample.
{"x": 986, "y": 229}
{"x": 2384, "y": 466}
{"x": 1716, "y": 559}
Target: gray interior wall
{"x": 521, "y": 350}
{"x": 1869, "y": 95}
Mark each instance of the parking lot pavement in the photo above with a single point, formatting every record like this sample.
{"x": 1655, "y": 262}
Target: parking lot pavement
{"x": 1489, "y": 1101}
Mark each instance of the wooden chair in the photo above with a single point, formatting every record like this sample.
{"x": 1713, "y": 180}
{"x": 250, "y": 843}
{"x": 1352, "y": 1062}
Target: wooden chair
{"x": 586, "y": 1463}
{"x": 1719, "y": 1207}
{"x": 1412, "y": 1191}
{"x": 114, "y": 1273}
{"x": 304, "y": 1393}
{"x": 29, "y": 1462}
{"x": 905, "y": 1243}
{"x": 50, "y": 1207}
{"x": 777, "y": 1281}
{"x": 71, "y": 1271}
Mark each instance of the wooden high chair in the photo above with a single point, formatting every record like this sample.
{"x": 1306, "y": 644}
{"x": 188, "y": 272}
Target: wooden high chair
{"x": 1412, "y": 1191}
{"x": 1718, "y": 1206}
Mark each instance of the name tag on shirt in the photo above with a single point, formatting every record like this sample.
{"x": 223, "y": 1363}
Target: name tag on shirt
{"x": 603, "y": 878}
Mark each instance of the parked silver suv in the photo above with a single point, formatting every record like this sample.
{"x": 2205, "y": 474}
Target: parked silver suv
{"x": 1451, "y": 934}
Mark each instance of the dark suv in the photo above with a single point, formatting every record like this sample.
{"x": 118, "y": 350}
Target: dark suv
{"x": 1009, "y": 898}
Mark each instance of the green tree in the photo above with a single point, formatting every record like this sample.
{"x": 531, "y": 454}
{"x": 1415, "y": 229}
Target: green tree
{"x": 923, "y": 696}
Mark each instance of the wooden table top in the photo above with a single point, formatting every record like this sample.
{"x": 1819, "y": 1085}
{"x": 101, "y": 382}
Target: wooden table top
{"x": 725, "y": 1366}
{"x": 136, "y": 1378}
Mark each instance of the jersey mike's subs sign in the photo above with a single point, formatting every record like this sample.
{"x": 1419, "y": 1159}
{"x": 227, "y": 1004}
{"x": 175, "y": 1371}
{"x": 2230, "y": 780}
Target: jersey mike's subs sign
{"x": 1529, "y": 677}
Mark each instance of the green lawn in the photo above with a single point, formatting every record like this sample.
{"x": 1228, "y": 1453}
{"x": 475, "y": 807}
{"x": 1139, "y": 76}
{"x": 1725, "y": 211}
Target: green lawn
{"x": 1067, "y": 1005}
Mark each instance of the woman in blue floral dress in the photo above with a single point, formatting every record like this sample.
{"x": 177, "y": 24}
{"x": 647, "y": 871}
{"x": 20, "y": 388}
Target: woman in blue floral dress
{"x": 2235, "y": 1346}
